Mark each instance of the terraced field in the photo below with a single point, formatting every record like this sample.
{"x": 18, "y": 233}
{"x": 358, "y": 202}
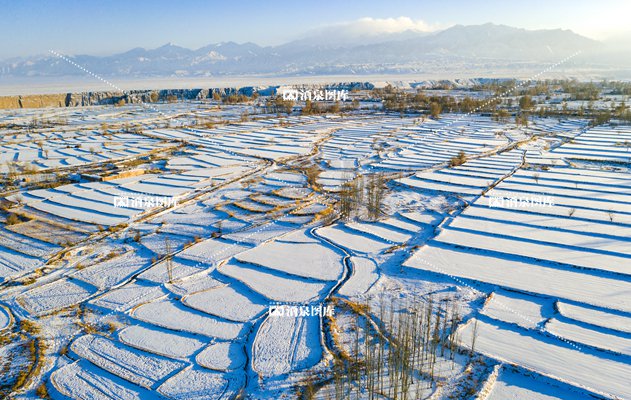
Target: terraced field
{"x": 176, "y": 300}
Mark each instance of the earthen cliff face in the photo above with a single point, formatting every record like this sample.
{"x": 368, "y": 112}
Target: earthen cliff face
{"x": 113, "y": 97}
{"x": 82, "y": 99}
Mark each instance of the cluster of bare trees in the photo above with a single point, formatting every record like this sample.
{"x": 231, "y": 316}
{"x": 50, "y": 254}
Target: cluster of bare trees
{"x": 368, "y": 191}
{"x": 314, "y": 107}
{"x": 278, "y": 105}
{"x": 351, "y": 196}
{"x": 375, "y": 192}
{"x": 395, "y": 349}
{"x": 237, "y": 98}
{"x": 395, "y": 99}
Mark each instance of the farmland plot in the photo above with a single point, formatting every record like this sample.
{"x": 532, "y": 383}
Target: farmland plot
{"x": 5, "y": 318}
{"x": 552, "y": 357}
{"x": 162, "y": 342}
{"x": 81, "y": 380}
{"x": 365, "y": 274}
{"x": 595, "y": 317}
{"x": 15, "y": 263}
{"x": 226, "y": 302}
{"x": 285, "y": 344}
{"x": 55, "y": 296}
{"x": 196, "y": 283}
{"x": 212, "y": 251}
{"x": 599, "y": 338}
{"x": 516, "y": 385}
{"x": 526, "y": 311}
{"x": 273, "y": 285}
{"x": 171, "y": 315}
{"x": 197, "y": 383}
{"x": 319, "y": 262}
{"x": 172, "y": 269}
{"x": 529, "y": 277}
{"x": 128, "y": 296}
{"x": 114, "y": 271}
{"x": 357, "y": 242}
{"x": 222, "y": 356}
{"x": 142, "y": 369}
{"x": 26, "y": 245}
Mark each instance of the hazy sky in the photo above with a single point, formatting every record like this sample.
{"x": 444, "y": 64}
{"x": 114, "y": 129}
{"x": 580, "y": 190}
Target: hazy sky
{"x": 104, "y": 27}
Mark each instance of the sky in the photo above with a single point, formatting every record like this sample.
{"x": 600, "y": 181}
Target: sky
{"x": 106, "y": 27}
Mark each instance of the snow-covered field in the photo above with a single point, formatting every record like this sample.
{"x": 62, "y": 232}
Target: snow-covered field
{"x": 175, "y": 300}
{"x": 285, "y": 344}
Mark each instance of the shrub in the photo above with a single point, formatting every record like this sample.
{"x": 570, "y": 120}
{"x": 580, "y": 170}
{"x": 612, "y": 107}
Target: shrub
{"x": 42, "y": 391}
{"x": 13, "y": 219}
{"x": 460, "y": 159}
{"x": 29, "y": 326}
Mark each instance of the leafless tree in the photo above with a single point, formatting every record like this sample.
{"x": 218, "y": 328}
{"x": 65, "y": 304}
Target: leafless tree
{"x": 168, "y": 258}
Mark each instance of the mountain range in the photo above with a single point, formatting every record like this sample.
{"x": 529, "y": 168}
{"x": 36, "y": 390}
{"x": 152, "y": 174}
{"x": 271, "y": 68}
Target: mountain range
{"x": 324, "y": 54}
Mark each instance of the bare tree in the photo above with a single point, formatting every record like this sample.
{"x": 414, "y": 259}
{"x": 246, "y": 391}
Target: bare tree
{"x": 474, "y": 337}
{"x": 375, "y": 190}
{"x": 168, "y": 258}
{"x": 351, "y": 196}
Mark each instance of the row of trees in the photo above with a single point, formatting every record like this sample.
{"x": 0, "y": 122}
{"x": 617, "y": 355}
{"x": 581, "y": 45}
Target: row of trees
{"x": 598, "y": 116}
{"x": 576, "y": 89}
{"x": 398, "y": 100}
{"x": 401, "y": 101}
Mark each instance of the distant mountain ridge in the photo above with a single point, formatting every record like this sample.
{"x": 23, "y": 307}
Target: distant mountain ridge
{"x": 405, "y": 51}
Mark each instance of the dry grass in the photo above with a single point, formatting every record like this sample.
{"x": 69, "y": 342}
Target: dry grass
{"x": 324, "y": 215}
{"x": 460, "y": 159}
{"x": 42, "y": 391}
{"x": 13, "y": 219}
{"x": 394, "y": 248}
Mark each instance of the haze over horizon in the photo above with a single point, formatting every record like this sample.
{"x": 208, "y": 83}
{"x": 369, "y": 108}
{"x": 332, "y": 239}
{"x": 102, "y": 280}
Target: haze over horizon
{"x": 105, "y": 29}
